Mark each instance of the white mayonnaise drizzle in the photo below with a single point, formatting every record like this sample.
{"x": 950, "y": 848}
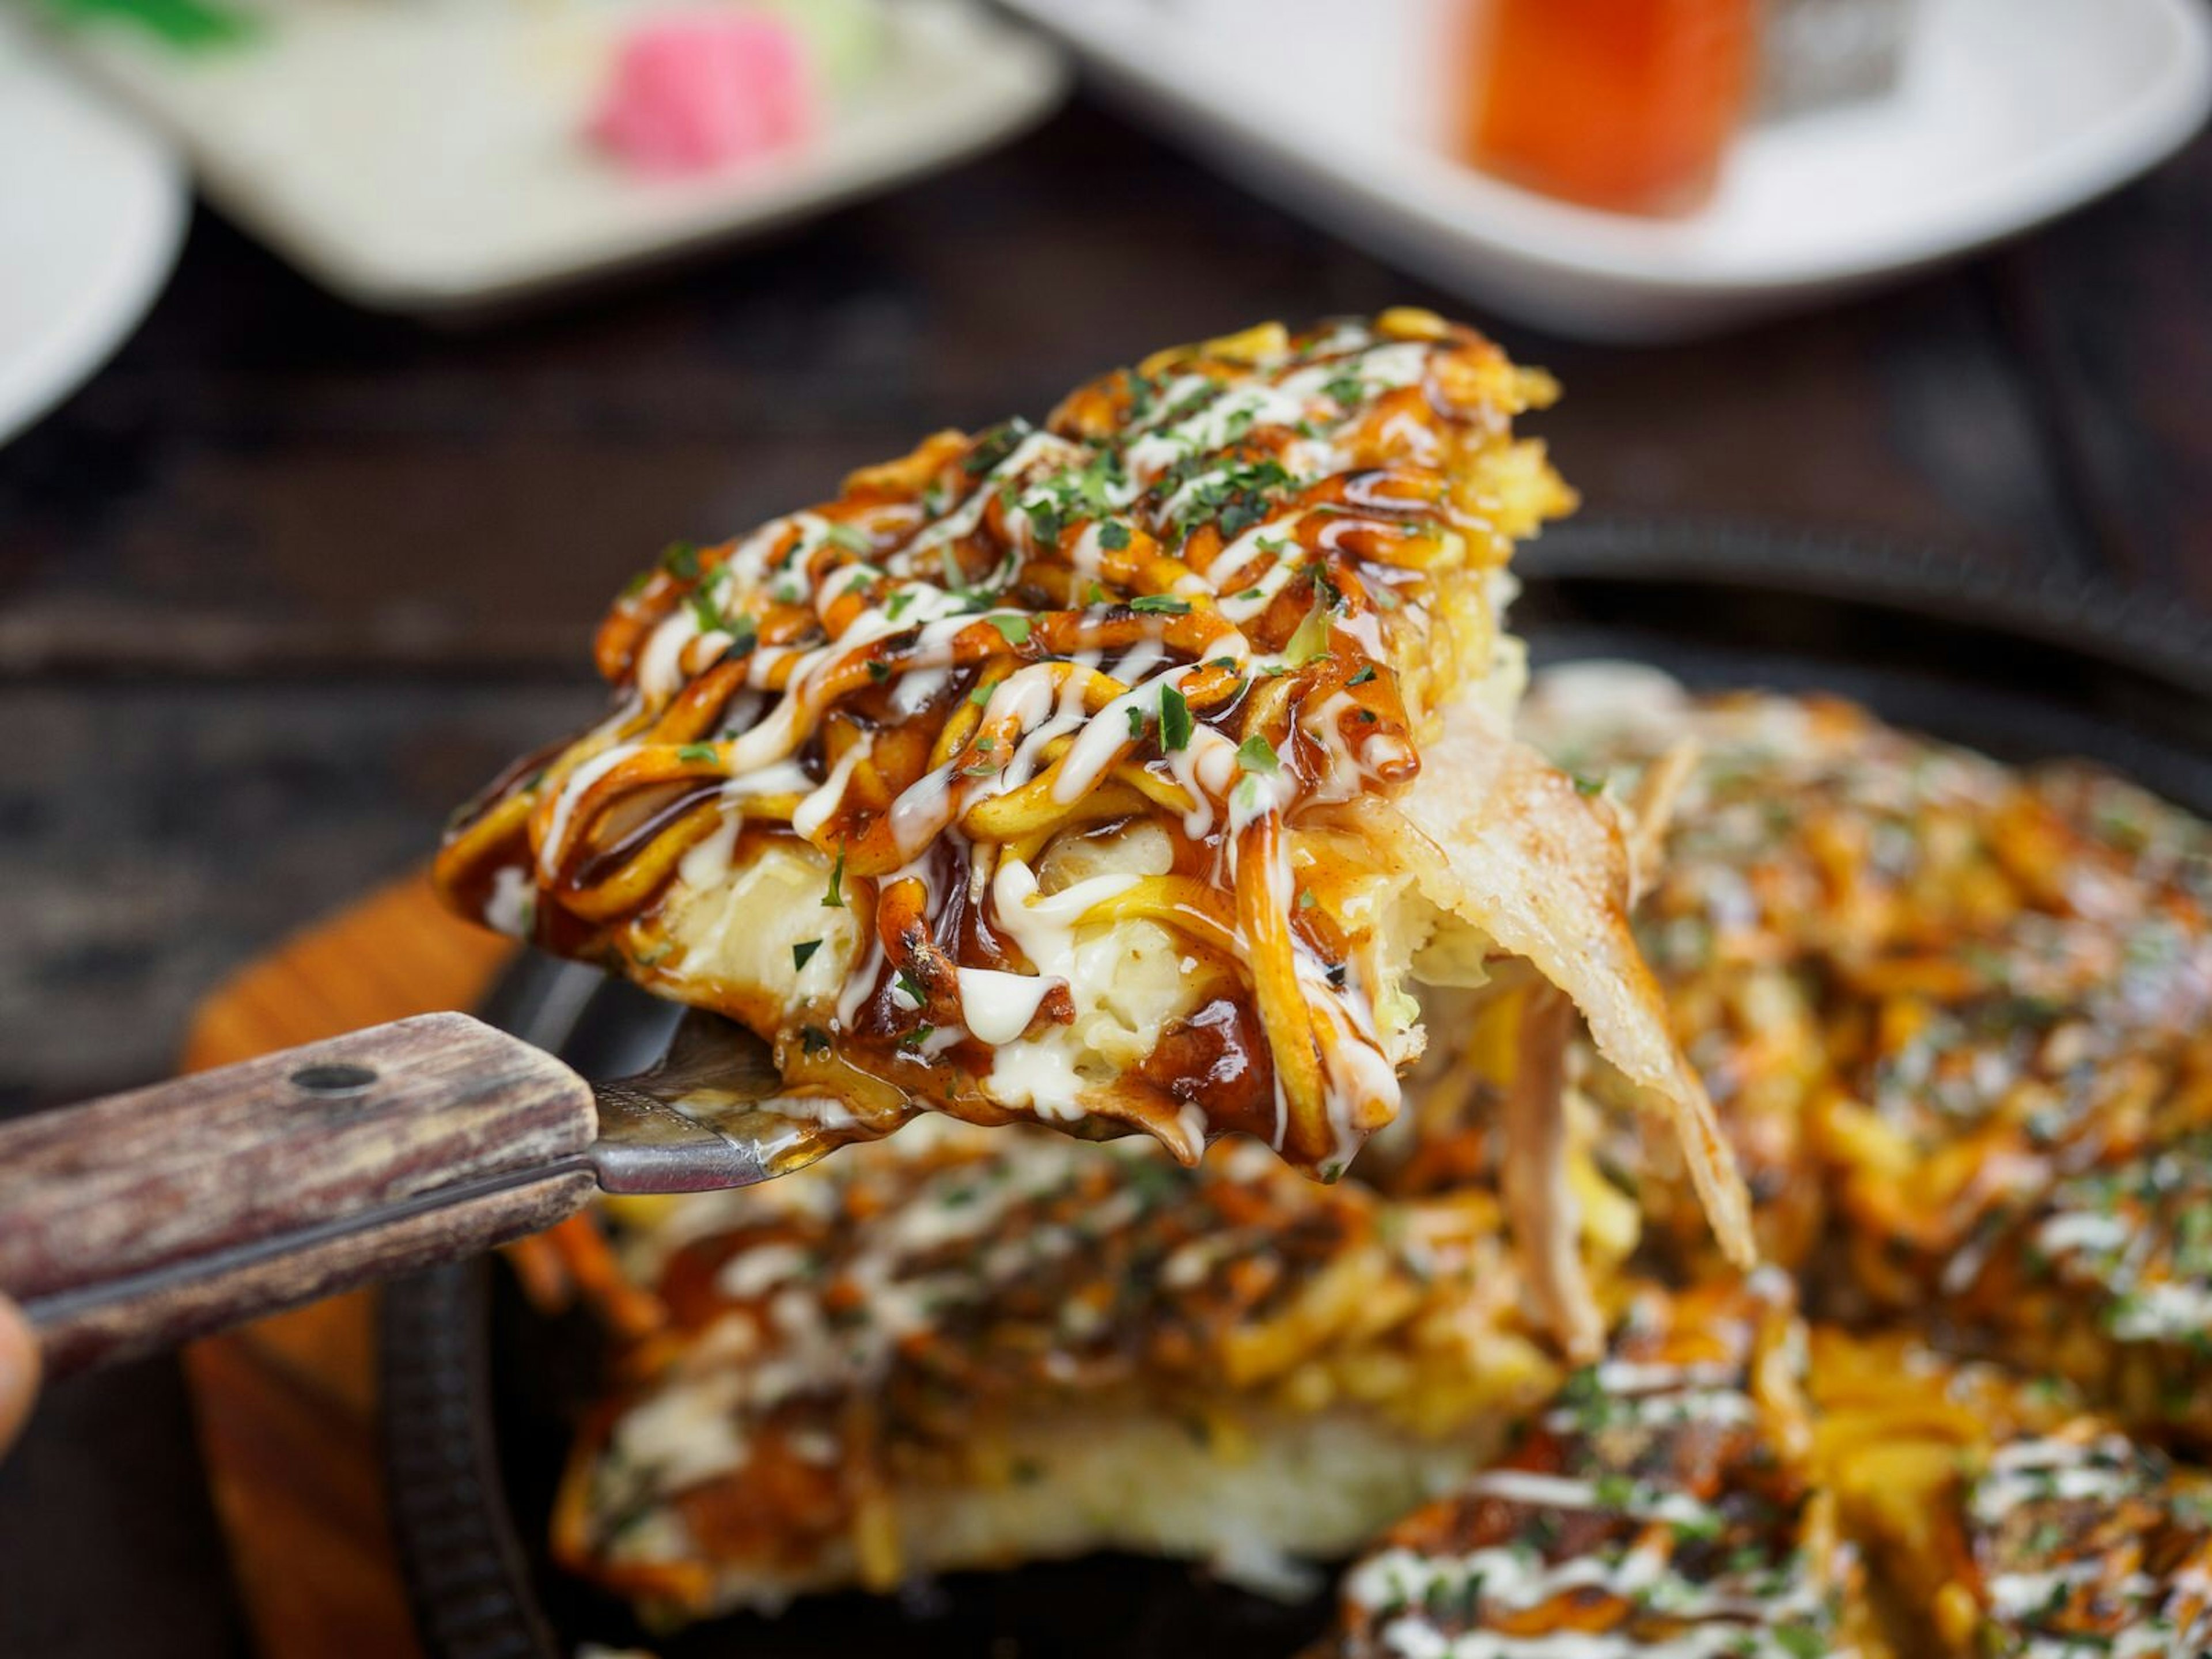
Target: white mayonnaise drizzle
{"x": 913, "y": 594}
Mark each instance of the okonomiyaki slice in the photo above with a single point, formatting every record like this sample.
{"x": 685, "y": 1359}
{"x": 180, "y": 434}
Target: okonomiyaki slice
{"x": 1130, "y": 772}
{"x": 1966, "y": 1007}
{"x": 2000, "y": 1524}
{"x": 1661, "y": 1506}
{"x": 962, "y": 1349}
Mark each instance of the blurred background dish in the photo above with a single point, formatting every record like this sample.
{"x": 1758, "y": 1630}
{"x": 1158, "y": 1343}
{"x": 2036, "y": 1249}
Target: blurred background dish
{"x": 2005, "y": 113}
{"x": 92, "y": 206}
{"x": 461, "y": 152}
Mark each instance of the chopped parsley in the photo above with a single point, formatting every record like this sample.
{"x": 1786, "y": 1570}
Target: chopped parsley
{"x": 703, "y": 613}
{"x": 814, "y": 1040}
{"x": 1701, "y": 1529}
{"x": 1090, "y": 484}
{"x": 1586, "y": 786}
{"x": 834, "y": 898}
{"x": 914, "y": 1039}
{"x": 900, "y": 601}
{"x": 848, "y": 538}
{"x": 1257, "y": 754}
{"x": 1136, "y": 725}
{"x": 981, "y": 695}
{"x": 1233, "y": 497}
{"x": 1364, "y": 674}
{"x": 1310, "y": 639}
{"x": 1113, "y": 535}
{"x": 699, "y": 754}
{"x": 681, "y": 560}
{"x": 1175, "y": 719}
{"x": 879, "y": 672}
{"x": 1044, "y": 520}
{"x": 908, "y": 983}
{"x": 803, "y": 952}
{"x": 1163, "y": 605}
{"x": 1014, "y": 629}
{"x": 994, "y": 447}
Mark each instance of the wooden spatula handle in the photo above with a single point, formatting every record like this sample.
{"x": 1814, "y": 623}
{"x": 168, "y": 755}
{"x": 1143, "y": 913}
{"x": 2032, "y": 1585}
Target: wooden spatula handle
{"x": 157, "y": 1215}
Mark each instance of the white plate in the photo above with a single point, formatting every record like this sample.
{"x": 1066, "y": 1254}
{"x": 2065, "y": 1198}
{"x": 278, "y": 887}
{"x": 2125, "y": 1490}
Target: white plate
{"x": 92, "y": 208}
{"x": 2012, "y": 111}
{"x": 430, "y": 154}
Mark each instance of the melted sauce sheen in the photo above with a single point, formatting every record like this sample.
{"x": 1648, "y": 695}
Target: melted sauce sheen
{"x": 1646, "y": 1516}
{"x": 1222, "y": 596}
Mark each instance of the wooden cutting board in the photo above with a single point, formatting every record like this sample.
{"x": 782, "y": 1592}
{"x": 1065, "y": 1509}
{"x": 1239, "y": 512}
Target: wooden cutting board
{"x": 286, "y": 1406}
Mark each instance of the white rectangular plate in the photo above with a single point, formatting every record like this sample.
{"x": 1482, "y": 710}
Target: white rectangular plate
{"x": 424, "y": 155}
{"x": 2012, "y": 111}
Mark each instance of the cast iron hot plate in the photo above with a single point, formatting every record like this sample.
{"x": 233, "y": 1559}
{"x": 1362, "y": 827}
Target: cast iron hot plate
{"x": 479, "y": 1390}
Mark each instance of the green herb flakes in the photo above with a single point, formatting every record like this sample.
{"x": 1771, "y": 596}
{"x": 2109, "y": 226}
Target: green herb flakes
{"x": 1257, "y": 754}
{"x": 1310, "y": 641}
{"x": 1175, "y": 719}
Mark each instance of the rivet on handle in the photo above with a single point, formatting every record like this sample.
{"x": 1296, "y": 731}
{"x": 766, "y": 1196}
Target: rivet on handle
{"x": 333, "y": 1079}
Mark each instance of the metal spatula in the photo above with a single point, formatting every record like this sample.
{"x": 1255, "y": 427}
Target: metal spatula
{"x": 149, "y": 1218}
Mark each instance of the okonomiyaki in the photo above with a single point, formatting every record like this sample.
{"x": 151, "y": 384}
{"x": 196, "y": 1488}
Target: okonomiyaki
{"x": 1138, "y": 770}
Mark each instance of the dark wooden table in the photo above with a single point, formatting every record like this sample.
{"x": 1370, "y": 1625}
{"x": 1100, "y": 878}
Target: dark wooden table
{"x": 285, "y": 580}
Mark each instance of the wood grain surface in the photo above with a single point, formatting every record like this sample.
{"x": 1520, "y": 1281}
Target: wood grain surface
{"x": 286, "y": 1407}
{"x": 148, "y": 1218}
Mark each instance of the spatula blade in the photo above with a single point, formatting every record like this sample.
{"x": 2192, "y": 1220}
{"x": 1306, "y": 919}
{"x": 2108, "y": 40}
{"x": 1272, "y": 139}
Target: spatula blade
{"x": 712, "y": 1113}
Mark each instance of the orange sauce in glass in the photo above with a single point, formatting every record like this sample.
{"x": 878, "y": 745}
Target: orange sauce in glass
{"x": 1627, "y": 105}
